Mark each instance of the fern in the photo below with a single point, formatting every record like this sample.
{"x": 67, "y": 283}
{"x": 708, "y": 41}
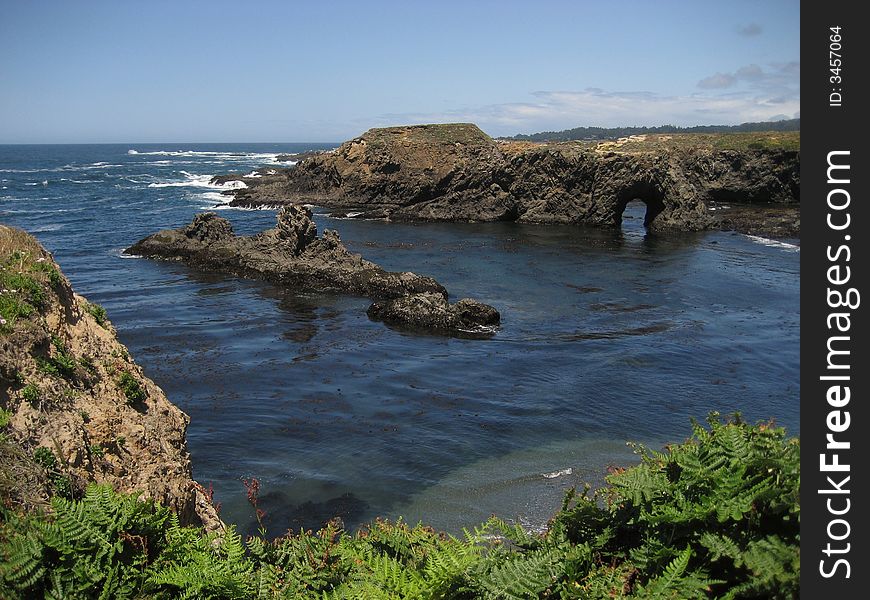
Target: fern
{"x": 715, "y": 516}
{"x": 522, "y": 575}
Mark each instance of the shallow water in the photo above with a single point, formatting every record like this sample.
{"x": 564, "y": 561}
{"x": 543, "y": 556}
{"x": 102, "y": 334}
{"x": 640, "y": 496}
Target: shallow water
{"x": 606, "y": 337}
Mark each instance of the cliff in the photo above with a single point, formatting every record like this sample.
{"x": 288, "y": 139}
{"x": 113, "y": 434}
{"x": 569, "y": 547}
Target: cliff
{"x": 76, "y": 407}
{"x": 458, "y": 173}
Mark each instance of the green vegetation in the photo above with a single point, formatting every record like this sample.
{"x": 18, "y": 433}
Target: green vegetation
{"x": 20, "y": 295}
{"x": 716, "y": 516}
{"x": 61, "y": 364}
{"x": 58, "y": 481}
{"x": 5, "y": 418}
{"x": 612, "y": 133}
{"x": 44, "y": 458}
{"x": 51, "y": 272}
{"x": 25, "y": 276}
{"x": 98, "y": 313}
{"x": 468, "y": 134}
{"x": 31, "y": 394}
{"x": 132, "y": 388}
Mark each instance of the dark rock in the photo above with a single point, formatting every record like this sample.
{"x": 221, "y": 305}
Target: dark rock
{"x": 299, "y": 156}
{"x": 432, "y": 312}
{"x": 292, "y": 255}
{"x": 458, "y": 173}
{"x": 769, "y": 220}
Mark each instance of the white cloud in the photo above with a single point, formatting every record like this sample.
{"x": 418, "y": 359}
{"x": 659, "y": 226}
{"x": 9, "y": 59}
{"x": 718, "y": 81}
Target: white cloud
{"x": 778, "y": 78}
{"x": 557, "y": 110}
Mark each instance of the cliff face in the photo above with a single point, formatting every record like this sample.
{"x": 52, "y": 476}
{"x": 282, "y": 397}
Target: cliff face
{"x": 458, "y": 173}
{"x": 74, "y": 399}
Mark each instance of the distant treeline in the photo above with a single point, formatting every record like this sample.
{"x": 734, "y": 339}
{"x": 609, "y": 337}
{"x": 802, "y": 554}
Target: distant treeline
{"x": 608, "y": 133}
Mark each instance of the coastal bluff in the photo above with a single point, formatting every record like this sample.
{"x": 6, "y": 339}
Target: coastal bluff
{"x": 76, "y": 408}
{"x": 455, "y": 172}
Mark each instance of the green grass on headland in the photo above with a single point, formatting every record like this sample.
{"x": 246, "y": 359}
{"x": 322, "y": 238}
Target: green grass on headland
{"x": 715, "y": 516}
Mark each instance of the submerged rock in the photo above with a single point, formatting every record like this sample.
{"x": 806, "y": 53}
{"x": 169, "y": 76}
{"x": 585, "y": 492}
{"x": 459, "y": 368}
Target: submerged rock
{"x": 291, "y": 254}
{"x": 455, "y": 172}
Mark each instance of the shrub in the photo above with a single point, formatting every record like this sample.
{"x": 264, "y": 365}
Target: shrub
{"x": 61, "y": 364}
{"x": 31, "y": 394}
{"x": 45, "y": 458}
{"x": 132, "y": 388}
{"x": 98, "y": 313}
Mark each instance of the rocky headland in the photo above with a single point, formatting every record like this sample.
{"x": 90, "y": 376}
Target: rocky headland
{"x": 75, "y": 407}
{"x": 458, "y": 173}
{"x": 292, "y": 255}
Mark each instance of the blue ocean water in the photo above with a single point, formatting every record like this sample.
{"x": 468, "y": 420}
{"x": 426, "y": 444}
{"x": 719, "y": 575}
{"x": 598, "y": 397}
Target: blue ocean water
{"x": 606, "y": 337}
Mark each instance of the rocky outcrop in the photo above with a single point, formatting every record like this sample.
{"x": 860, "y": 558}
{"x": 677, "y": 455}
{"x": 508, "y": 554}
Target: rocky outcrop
{"x": 79, "y": 408}
{"x": 458, "y": 173}
{"x": 291, "y": 254}
{"x": 430, "y": 311}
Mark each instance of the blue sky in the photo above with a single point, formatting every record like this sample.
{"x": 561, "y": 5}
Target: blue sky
{"x": 326, "y": 71}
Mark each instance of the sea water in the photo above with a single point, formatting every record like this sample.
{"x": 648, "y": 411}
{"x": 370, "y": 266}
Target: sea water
{"x": 606, "y": 337}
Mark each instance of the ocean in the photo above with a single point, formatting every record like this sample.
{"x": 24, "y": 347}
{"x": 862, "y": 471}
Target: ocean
{"x": 606, "y": 337}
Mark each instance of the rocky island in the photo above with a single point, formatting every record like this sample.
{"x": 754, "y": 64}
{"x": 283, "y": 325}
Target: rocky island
{"x": 292, "y": 255}
{"x": 744, "y": 182}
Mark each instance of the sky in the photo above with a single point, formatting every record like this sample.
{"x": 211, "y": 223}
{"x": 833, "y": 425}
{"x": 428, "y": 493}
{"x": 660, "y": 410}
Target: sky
{"x": 282, "y": 71}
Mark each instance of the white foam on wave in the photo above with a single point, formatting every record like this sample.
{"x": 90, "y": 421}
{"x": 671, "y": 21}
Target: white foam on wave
{"x": 119, "y": 252}
{"x": 559, "y": 473}
{"x": 200, "y": 181}
{"x": 218, "y": 197}
{"x": 246, "y": 156}
{"x": 65, "y": 168}
{"x": 242, "y": 208}
{"x": 477, "y": 329}
{"x": 774, "y": 243}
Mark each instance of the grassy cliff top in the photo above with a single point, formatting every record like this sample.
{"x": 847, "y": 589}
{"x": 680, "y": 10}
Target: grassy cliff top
{"x": 769, "y": 140}
{"x": 658, "y": 143}
{"x": 469, "y": 134}
{"x": 448, "y": 133}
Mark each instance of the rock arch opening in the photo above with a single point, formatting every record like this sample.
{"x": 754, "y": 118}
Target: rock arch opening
{"x": 640, "y": 198}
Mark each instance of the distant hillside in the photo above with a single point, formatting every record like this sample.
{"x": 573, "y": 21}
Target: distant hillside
{"x": 612, "y": 133}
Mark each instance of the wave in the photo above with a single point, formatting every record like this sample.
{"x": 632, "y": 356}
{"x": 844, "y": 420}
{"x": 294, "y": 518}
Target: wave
{"x": 242, "y": 208}
{"x": 65, "y": 168}
{"x": 200, "y": 181}
{"x": 559, "y": 473}
{"x": 218, "y": 197}
{"x": 246, "y": 156}
{"x": 774, "y": 243}
{"x": 80, "y": 180}
{"x": 119, "y": 253}
{"x": 44, "y": 228}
